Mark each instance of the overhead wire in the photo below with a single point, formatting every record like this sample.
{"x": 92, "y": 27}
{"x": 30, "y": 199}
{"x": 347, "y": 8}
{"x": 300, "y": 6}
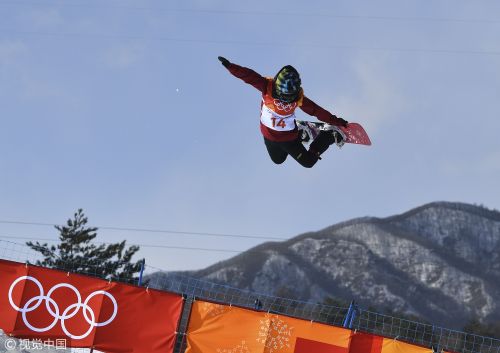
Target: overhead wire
{"x": 253, "y": 12}
{"x": 271, "y": 44}
{"x": 254, "y": 43}
{"x": 4, "y": 237}
{"x": 63, "y": 35}
{"x": 148, "y": 230}
{"x": 173, "y": 247}
{"x": 143, "y": 230}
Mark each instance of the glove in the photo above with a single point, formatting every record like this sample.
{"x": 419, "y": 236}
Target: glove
{"x": 224, "y": 61}
{"x": 341, "y": 121}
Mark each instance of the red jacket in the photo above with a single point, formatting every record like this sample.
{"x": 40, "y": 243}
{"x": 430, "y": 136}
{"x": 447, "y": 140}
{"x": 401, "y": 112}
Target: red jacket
{"x": 261, "y": 83}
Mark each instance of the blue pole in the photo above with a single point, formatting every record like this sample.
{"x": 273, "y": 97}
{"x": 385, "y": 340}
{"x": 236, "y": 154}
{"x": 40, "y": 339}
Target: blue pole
{"x": 353, "y": 314}
{"x": 143, "y": 264}
{"x": 348, "y": 315}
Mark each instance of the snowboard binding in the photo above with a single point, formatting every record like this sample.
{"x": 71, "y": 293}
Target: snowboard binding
{"x": 338, "y": 134}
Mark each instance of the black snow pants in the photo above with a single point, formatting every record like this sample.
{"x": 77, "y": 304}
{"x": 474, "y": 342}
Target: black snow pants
{"x": 278, "y": 151}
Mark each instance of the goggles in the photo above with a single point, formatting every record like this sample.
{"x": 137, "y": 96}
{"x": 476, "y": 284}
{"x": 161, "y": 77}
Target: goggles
{"x": 287, "y": 97}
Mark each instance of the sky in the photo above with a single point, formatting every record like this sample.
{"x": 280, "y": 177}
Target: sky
{"x": 121, "y": 108}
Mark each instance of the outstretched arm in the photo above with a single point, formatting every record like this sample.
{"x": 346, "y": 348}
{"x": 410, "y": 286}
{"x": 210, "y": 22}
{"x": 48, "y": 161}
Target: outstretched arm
{"x": 244, "y": 73}
{"x": 311, "y": 108}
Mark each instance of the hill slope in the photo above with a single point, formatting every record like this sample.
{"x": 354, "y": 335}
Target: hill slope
{"x": 440, "y": 262}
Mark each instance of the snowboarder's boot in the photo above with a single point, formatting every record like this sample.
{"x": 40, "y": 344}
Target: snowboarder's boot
{"x": 338, "y": 135}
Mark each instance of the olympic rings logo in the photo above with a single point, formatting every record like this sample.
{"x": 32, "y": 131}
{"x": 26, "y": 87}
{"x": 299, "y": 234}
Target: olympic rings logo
{"x": 282, "y": 106}
{"x": 54, "y": 310}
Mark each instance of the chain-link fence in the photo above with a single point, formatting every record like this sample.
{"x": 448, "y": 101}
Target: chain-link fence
{"x": 353, "y": 317}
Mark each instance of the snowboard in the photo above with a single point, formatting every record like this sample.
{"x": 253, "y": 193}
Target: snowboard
{"x": 353, "y": 133}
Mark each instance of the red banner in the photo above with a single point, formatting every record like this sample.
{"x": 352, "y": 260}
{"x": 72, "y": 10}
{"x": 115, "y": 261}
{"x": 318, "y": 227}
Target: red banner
{"x": 303, "y": 345}
{"x": 44, "y": 304}
{"x": 367, "y": 343}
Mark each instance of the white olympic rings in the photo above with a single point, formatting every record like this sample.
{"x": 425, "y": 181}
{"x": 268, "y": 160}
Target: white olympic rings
{"x": 284, "y": 106}
{"x": 54, "y": 311}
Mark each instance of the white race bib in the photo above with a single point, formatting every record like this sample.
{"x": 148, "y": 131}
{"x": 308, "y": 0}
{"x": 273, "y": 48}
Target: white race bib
{"x": 275, "y": 121}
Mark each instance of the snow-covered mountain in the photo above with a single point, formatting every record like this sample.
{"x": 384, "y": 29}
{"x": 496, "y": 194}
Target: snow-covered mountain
{"x": 440, "y": 262}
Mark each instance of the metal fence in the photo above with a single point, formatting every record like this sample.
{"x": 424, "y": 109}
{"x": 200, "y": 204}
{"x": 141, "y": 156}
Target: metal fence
{"x": 353, "y": 317}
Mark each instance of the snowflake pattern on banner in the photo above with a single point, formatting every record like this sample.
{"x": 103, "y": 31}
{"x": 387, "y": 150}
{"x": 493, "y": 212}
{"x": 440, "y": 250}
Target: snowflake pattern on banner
{"x": 241, "y": 348}
{"x": 274, "y": 333}
{"x": 212, "y": 310}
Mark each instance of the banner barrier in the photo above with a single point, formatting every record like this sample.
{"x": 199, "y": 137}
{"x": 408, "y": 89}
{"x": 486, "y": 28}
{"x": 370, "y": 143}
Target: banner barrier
{"x": 216, "y": 328}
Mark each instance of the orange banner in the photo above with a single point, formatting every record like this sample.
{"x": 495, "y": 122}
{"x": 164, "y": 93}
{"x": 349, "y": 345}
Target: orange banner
{"x": 216, "y": 328}
{"x": 392, "y": 346}
{"x": 227, "y": 329}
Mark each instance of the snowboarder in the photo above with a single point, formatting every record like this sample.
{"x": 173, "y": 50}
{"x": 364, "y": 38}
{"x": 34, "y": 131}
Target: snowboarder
{"x": 281, "y": 95}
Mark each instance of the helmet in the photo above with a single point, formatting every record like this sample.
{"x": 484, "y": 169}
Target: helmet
{"x": 287, "y": 84}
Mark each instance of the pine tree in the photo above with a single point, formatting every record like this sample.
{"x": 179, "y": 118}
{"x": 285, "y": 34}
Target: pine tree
{"x": 76, "y": 253}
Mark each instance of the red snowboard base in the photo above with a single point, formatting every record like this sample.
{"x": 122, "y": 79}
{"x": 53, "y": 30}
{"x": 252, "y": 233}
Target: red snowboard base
{"x": 356, "y": 134}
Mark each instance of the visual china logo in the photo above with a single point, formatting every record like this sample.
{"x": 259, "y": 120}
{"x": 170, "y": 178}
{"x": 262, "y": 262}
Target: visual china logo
{"x": 54, "y": 310}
